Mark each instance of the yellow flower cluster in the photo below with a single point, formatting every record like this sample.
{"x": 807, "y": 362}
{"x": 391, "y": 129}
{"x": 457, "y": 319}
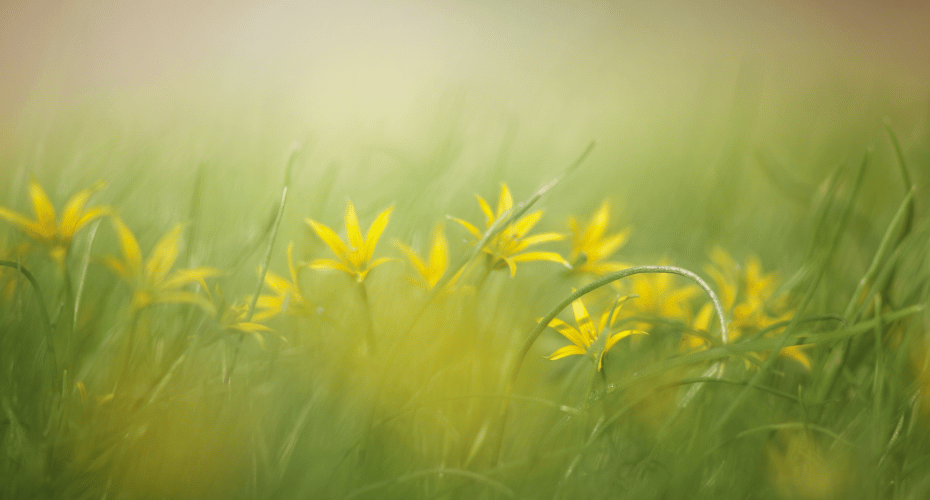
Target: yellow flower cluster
{"x": 749, "y": 296}
{"x": 751, "y": 300}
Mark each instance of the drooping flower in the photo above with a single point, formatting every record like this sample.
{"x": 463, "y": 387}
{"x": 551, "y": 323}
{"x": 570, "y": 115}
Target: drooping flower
{"x": 355, "y": 254}
{"x": 287, "y": 297}
{"x": 46, "y": 227}
{"x": 587, "y": 339}
{"x": 152, "y": 281}
{"x": 507, "y": 247}
{"x": 590, "y": 247}
{"x": 431, "y": 270}
{"x": 750, "y": 299}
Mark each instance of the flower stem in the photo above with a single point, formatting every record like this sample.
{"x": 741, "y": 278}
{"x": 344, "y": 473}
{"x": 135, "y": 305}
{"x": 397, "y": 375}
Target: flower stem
{"x": 594, "y": 285}
{"x": 370, "y": 343}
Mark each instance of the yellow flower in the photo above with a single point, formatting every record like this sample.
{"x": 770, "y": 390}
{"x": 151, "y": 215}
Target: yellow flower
{"x": 152, "y": 281}
{"x": 235, "y": 317}
{"x": 355, "y": 254}
{"x": 749, "y": 297}
{"x": 586, "y": 339}
{"x": 504, "y": 249}
{"x": 46, "y": 228}
{"x": 287, "y": 295}
{"x": 590, "y": 248}
{"x": 429, "y": 272}
{"x": 659, "y": 297}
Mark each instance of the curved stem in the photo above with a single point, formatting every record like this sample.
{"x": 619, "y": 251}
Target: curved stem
{"x": 35, "y": 286}
{"x": 594, "y": 285}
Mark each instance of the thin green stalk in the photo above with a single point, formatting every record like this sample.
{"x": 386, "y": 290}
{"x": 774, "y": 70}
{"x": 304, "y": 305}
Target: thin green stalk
{"x": 194, "y": 210}
{"x": 823, "y": 210}
{"x": 905, "y": 175}
{"x": 807, "y": 426}
{"x": 83, "y": 276}
{"x": 370, "y": 340}
{"x": 899, "y": 218}
{"x": 878, "y": 377}
{"x": 43, "y": 312}
{"x": 267, "y": 260}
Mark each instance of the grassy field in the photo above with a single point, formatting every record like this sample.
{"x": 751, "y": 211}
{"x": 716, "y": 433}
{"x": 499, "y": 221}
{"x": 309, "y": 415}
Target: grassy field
{"x": 197, "y": 312}
{"x": 447, "y": 250}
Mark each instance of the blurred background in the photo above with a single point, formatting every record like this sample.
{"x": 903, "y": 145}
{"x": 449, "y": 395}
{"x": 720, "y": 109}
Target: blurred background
{"x": 581, "y": 67}
{"x": 679, "y": 97}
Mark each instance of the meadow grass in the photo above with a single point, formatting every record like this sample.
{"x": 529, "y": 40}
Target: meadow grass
{"x": 229, "y": 318}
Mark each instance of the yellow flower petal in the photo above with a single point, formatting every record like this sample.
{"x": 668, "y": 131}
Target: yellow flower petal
{"x": 504, "y": 201}
{"x": 548, "y": 256}
{"x": 330, "y": 264}
{"x": 378, "y": 262}
{"x": 331, "y": 239}
{"x": 438, "y": 257}
{"x": 613, "y": 339}
{"x": 184, "y": 277}
{"x": 414, "y": 259}
{"x": 512, "y": 265}
{"x": 162, "y": 257}
{"x": 374, "y": 232}
{"x": 607, "y": 247}
{"x": 71, "y": 214}
{"x": 570, "y": 332}
{"x": 32, "y": 229}
{"x": 45, "y": 212}
{"x": 795, "y": 352}
{"x": 536, "y": 239}
{"x": 467, "y": 225}
{"x": 569, "y": 350}
{"x": 526, "y": 223}
{"x": 277, "y": 283}
{"x": 489, "y": 215}
{"x": 353, "y": 231}
{"x": 132, "y": 255}
{"x": 290, "y": 262}
{"x": 583, "y": 320}
{"x": 119, "y": 268}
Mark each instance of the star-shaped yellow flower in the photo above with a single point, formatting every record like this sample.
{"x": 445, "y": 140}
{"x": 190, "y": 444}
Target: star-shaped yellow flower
{"x": 47, "y": 228}
{"x": 586, "y": 339}
{"x": 430, "y": 271}
{"x": 287, "y": 295}
{"x": 354, "y": 254}
{"x": 152, "y": 281}
{"x": 749, "y": 296}
{"x": 590, "y": 248}
{"x": 234, "y": 317}
{"x": 506, "y": 247}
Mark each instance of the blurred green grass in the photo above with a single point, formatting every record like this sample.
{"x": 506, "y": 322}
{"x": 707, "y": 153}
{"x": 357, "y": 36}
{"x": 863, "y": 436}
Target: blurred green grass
{"x": 309, "y": 415}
